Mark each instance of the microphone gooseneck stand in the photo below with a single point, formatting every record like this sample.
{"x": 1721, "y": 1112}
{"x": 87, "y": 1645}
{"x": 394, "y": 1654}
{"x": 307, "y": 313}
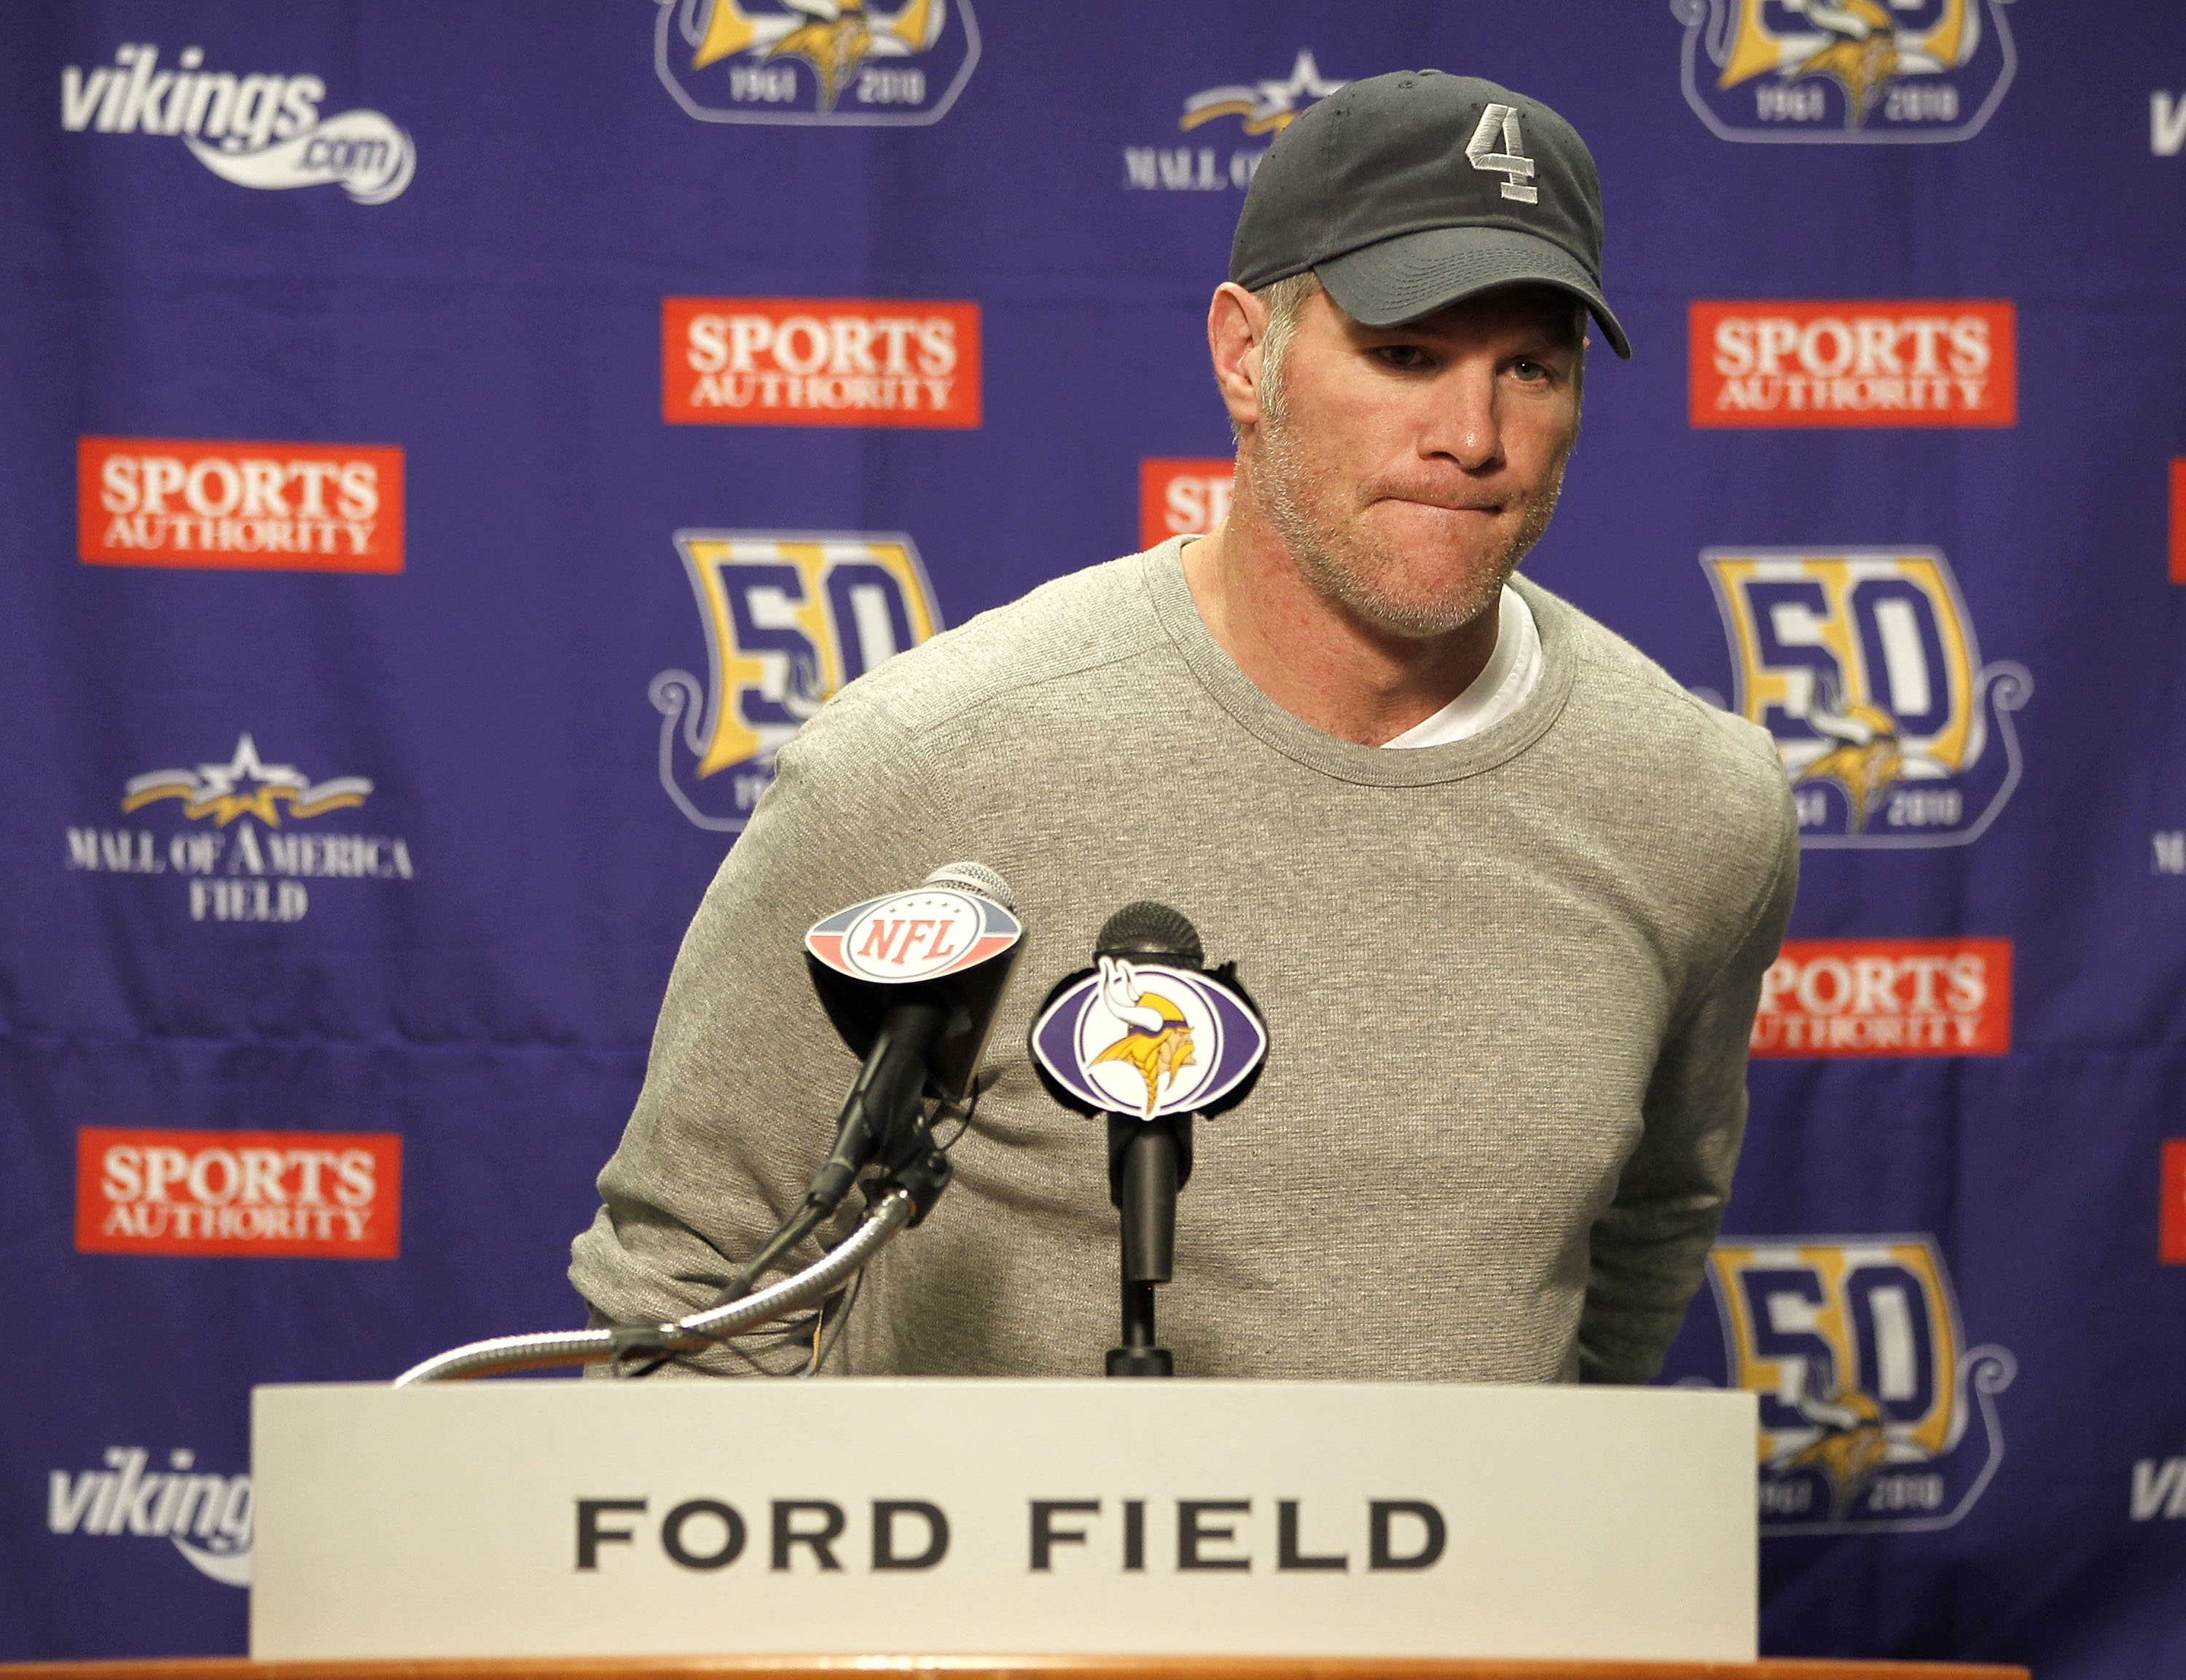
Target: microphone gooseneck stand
{"x": 916, "y": 1039}
{"x": 1149, "y": 1161}
{"x": 907, "y": 1194}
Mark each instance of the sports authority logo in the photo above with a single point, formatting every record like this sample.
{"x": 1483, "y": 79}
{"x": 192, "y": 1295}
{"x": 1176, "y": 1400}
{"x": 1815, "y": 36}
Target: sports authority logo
{"x": 1875, "y": 1414}
{"x": 1148, "y": 1040}
{"x": 1182, "y": 497}
{"x": 2178, "y": 520}
{"x": 205, "y": 1517}
{"x": 1862, "y": 663}
{"x": 1875, "y": 72}
{"x": 244, "y": 860}
{"x": 1263, "y": 108}
{"x": 819, "y": 362}
{"x": 1901, "y": 363}
{"x": 2171, "y": 1223}
{"x": 252, "y": 130}
{"x": 815, "y": 61}
{"x": 790, "y": 617}
{"x": 1887, "y": 997}
{"x": 904, "y": 937}
{"x": 260, "y": 1195}
{"x": 257, "y": 507}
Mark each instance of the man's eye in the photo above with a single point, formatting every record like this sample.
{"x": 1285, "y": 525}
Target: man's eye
{"x": 1531, "y": 372}
{"x": 1403, "y": 355}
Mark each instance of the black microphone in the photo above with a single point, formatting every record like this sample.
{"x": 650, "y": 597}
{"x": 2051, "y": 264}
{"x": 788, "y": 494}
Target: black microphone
{"x": 1148, "y": 1039}
{"x": 912, "y": 980}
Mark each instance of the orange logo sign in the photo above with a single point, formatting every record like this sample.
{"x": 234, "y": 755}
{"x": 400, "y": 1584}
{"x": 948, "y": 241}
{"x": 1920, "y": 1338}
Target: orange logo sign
{"x": 270, "y": 1195}
{"x": 252, "y": 507}
{"x": 1182, "y": 497}
{"x": 819, "y": 362}
{"x": 2170, "y": 1241}
{"x": 1852, "y": 363}
{"x": 1887, "y": 997}
{"x": 2178, "y": 520}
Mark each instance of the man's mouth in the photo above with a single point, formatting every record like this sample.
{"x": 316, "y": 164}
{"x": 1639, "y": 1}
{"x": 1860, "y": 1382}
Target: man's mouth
{"x": 1444, "y": 504}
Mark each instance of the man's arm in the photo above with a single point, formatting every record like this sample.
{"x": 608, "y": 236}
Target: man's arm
{"x": 746, "y": 1075}
{"x": 1648, "y": 1250}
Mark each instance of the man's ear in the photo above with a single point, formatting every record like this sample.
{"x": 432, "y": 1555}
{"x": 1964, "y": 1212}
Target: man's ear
{"x": 1237, "y": 324}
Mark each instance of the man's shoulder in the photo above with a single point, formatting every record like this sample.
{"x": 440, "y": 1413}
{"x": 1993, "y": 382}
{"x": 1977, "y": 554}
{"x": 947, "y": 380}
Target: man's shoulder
{"x": 1652, "y": 728}
{"x": 1073, "y": 625}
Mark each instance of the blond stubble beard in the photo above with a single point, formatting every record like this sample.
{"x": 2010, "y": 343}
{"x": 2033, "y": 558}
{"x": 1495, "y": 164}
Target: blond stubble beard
{"x": 1347, "y": 567}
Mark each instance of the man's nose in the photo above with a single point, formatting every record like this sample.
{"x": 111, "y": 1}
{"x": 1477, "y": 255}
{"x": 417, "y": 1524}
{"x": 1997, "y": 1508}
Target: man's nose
{"x": 1462, "y": 422}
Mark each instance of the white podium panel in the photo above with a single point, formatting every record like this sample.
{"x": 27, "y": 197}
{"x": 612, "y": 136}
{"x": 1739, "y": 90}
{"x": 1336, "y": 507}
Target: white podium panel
{"x": 543, "y": 1518}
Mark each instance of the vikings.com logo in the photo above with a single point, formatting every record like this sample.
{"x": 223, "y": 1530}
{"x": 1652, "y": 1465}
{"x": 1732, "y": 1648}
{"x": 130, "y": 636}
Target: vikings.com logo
{"x": 1148, "y": 1039}
{"x": 816, "y": 61}
{"x": 1862, "y": 663}
{"x": 790, "y": 617}
{"x": 1875, "y": 1414}
{"x": 1862, "y": 71}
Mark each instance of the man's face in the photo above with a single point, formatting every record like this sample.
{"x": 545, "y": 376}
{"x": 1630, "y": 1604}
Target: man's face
{"x": 1409, "y": 468}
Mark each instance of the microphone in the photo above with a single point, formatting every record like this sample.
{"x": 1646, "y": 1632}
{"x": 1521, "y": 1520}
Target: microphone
{"x": 1149, "y": 1030}
{"x": 912, "y": 980}
{"x": 1148, "y": 1039}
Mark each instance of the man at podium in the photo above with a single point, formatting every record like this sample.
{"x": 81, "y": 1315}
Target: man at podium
{"x": 1503, "y": 890}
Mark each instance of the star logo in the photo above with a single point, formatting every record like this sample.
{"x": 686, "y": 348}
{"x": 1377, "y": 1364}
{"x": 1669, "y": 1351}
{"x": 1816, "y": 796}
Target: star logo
{"x": 245, "y": 786}
{"x": 1267, "y": 107}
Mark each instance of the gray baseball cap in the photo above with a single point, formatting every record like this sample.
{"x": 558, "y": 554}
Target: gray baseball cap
{"x": 1408, "y": 192}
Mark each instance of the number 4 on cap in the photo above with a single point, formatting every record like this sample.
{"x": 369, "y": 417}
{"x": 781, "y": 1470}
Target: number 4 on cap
{"x": 1511, "y": 162}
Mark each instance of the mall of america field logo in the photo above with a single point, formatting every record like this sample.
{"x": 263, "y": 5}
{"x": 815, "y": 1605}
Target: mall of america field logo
{"x": 262, "y": 131}
{"x": 816, "y": 62}
{"x": 1860, "y": 72}
{"x": 241, "y": 851}
{"x": 790, "y": 617}
{"x": 1263, "y": 111}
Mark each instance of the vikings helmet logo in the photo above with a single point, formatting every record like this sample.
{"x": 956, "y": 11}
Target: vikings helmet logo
{"x": 1148, "y": 1040}
{"x": 867, "y": 63}
{"x": 1861, "y": 56}
{"x": 1157, "y": 1037}
{"x": 1853, "y": 1446}
{"x": 1906, "y": 70}
{"x": 832, "y": 36}
{"x": 1864, "y": 759}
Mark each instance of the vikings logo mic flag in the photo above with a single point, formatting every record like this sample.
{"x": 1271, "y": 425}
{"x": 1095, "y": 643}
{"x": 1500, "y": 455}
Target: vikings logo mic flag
{"x": 1147, "y": 1038}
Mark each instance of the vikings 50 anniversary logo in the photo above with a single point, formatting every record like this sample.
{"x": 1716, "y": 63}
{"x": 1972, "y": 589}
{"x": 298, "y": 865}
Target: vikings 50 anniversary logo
{"x": 1862, "y": 663}
{"x": 1875, "y": 1414}
{"x": 816, "y": 61}
{"x": 1872, "y": 71}
{"x": 790, "y": 617}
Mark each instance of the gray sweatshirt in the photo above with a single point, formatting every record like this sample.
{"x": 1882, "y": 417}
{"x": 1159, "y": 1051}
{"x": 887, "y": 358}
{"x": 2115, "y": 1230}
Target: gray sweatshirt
{"x": 1508, "y": 984}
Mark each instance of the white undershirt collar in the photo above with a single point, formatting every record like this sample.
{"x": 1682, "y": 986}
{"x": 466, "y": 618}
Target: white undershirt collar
{"x": 1512, "y": 672}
